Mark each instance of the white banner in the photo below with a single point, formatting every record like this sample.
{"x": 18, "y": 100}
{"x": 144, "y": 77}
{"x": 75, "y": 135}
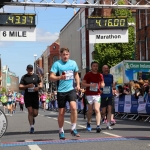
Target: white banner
{"x": 127, "y": 105}
{"x": 17, "y": 34}
{"x": 108, "y": 36}
{"x": 142, "y": 105}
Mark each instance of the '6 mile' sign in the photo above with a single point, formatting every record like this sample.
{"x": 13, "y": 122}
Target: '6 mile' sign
{"x": 3, "y": 123}
{"x": 17, "y": 27}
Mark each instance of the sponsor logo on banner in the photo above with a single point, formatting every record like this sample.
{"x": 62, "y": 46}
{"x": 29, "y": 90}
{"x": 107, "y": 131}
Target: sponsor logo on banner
{"x": 3, "y": 123}
{"x": 148, "y": 105}
{"x": 121, "y": 103}
{"x": 142, "y": 105}
{"x": 116, "y": 104}
{"x": 127, "y": 105}
{"x": 134, "y": 105}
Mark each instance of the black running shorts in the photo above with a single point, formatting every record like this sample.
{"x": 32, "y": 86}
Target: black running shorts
{"x": 32, "y": 101}
{"x": 106, "y": 102}
{"x": 63, "y": 97}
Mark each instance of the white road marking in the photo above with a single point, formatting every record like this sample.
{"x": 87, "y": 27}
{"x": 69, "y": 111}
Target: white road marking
{"x": 112, "y": 134}
{"x": 82, "y": 126}
{"x": 8, "y": 114}
{"x": 55, "y": 118}
{"x": 33, "y": 147}
{"x": 67, "y": 122}
{"x": 53, "y": 113}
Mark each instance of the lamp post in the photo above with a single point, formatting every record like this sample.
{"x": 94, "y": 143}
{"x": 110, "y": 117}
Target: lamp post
{"x": 134, "y": 26}
{"x": 47, "y": 83}
{"x": 35, "y": 55}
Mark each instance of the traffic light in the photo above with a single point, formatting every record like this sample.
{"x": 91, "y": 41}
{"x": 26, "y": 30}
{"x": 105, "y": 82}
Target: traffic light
{"x": 2, "y": 2}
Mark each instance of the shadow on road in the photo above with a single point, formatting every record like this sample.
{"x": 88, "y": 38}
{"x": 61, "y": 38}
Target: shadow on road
{"x": 40, "y": 132}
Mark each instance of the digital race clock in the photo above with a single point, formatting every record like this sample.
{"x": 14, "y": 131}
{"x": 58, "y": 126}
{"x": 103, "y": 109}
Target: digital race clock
{"x": 13, "y": 19}
{"x": 102, "y": 23}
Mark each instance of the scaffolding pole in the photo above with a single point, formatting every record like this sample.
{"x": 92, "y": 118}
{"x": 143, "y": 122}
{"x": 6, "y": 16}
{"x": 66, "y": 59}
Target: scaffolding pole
{"x": 67, "y": 4}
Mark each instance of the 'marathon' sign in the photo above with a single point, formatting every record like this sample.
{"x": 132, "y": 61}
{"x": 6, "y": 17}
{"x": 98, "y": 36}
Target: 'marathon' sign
{"x": 137, "y": 65}
{"x": 108, "y": 36}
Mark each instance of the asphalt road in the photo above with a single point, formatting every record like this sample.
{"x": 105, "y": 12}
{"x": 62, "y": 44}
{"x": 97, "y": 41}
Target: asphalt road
{"x": 126, "y": 135}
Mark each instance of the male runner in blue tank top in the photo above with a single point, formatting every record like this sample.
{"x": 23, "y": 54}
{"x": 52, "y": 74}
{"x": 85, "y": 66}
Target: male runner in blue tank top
{"x": 107, "y": 96}
{"x": 64, "y": 71}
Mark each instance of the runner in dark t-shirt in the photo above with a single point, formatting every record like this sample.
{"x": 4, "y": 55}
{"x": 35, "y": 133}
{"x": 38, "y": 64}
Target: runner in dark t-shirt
{"x": 31, "y": 83}
{"x": 107, "y": 96}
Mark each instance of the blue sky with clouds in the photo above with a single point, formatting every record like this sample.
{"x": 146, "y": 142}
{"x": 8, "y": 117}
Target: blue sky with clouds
{"x": 49, "y": 22}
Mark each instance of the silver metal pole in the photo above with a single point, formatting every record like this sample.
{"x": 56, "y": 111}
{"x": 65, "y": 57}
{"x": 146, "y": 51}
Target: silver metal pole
{"x": 73, "y": 5}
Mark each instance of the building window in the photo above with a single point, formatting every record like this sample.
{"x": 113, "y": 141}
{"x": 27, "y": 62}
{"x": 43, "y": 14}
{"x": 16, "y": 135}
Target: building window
{"x": 55, "y": 58}
{"x": 54, "y": 47}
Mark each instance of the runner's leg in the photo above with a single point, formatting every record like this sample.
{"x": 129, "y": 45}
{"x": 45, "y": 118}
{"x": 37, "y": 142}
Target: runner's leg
{"x": 89, "y": 113}
{"x": 61, "y": 113}
{"x": 97, "y": 112}
{"x": 73, "y": 116}
{"x": 35, "y": 112}
{"x": 30, "y": 115}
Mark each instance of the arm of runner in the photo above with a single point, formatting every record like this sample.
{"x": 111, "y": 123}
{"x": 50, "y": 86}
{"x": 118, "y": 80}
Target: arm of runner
{"x": 102, "y": 82}
{"x": 76, "y": 76}
{"x": 54, "y": 70}
{"x": 53, "y": 77}
{"x": 23, "y": 87}
{"x": 85, "y": 84}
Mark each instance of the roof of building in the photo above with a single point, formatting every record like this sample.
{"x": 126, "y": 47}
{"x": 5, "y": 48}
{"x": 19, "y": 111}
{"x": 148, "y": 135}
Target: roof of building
{"x": 57, "y": 41}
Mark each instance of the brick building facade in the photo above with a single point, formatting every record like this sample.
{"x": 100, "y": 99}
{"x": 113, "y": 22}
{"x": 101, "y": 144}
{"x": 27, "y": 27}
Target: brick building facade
{"x": 143, "y": 34}
{"x": 54, "y": 54}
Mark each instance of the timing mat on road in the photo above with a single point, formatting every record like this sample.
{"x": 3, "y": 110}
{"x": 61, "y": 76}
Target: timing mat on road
{"x": 68, "y": 141}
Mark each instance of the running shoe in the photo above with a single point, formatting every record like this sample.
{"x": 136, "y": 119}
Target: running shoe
{"x": 98, "y": 129}
{"x": 109, "y": 128}
{"x": 88, "y": 127}
{"x": 114, "y": 121}
{"x": 75, "y": 133}
{"x": 31, "y": 130}
{"x": 62, "y": 135}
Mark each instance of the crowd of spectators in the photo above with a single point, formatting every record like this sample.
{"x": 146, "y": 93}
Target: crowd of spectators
{"x": 136, "y": 88}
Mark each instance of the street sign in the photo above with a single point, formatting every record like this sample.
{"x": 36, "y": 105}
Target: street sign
{"x": 17, "y": 34}
{"x": 108, "y": 36}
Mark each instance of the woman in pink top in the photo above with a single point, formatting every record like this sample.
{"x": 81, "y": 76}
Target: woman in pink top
{"x": 43, "y": 98}
{"x": 21, "y": 102}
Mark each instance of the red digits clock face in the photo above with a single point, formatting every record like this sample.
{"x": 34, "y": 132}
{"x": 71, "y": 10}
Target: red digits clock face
{"x": 63, "y": 73}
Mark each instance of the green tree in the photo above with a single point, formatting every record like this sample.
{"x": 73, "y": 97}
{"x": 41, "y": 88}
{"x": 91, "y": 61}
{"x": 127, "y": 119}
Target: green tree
{"x": 113, "y": 53}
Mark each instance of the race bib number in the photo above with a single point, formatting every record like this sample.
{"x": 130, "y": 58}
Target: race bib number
{"x": 31, "y": 89}
{"x": 69, "y": 75}
{"x": 9, "y": 99}
{"x": 94, "y": 89}
{"x": 106, "y": 90}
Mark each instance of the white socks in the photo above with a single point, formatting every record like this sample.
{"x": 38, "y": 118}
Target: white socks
{"x": 32, "y": 126}
{"x": 61, "y": 130}
{"x": 73, "y": 126}
{"x": 108, "y": 124}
